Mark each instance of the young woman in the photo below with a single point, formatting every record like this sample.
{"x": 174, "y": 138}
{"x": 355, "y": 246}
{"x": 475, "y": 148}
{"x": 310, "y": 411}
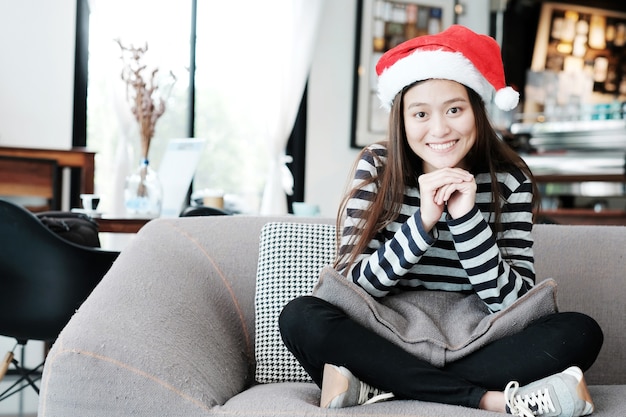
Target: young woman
{"x": 442, "y": 205}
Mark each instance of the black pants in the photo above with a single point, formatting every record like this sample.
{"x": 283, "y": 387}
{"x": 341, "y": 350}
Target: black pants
{"x": 317, "y": 332}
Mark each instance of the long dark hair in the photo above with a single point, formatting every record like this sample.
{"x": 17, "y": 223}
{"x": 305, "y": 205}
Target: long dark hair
{"x": 402, "y": 168}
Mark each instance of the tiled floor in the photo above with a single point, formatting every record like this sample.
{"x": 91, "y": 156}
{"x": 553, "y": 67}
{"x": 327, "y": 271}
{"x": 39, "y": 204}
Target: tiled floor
{"x": 25, "y": 402}
{"x": 19, "y": 415}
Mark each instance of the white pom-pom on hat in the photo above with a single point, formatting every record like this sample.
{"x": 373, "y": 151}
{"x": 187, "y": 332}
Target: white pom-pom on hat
{"x": 506, "y": 98}
{"x": 456, "y": 54}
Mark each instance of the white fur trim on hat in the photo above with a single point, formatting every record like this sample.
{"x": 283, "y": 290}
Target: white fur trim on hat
{"x": 424, "y": 65}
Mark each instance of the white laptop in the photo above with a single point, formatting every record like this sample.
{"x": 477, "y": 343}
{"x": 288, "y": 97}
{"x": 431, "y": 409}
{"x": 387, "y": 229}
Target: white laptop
{"x": 176, "y": 172}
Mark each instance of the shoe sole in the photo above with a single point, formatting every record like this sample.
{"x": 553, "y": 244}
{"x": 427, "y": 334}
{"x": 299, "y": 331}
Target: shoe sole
{"x": 581, "y": 389}
{"x": 334, "y": 384}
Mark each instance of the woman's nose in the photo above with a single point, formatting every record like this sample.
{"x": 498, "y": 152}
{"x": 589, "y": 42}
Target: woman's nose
{"x": 439, "y": 126}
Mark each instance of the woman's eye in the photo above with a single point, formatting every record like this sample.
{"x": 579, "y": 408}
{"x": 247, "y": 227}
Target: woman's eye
{"x": 454, "y": 110}
{"x": 420, "y": 114}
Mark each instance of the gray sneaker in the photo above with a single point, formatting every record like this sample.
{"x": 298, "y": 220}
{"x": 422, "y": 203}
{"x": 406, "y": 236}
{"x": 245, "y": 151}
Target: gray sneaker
{"x": 342, "y": 389}
{"x": 561, "y": 395}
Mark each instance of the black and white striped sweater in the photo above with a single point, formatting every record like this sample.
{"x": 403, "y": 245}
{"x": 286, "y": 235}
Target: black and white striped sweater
{"x": 461, "y": 254}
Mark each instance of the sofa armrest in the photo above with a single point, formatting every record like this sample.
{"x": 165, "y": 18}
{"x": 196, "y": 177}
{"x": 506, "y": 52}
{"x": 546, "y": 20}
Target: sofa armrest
{"x": 169, "y": 329}
{"x": 587, "y": 263}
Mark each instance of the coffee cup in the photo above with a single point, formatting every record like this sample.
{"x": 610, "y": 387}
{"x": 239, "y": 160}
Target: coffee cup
{"x": 90, "y": 201}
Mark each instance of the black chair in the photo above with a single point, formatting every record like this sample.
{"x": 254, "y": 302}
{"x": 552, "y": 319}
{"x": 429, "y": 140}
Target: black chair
{"x": 43, "y": 280}
{"x": 197, "y": 211}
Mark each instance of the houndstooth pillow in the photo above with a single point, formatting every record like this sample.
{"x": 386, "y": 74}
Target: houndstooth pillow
{"x": 291, "y": 256}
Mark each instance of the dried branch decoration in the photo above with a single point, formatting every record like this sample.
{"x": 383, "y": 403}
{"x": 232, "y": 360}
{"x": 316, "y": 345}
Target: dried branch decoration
{"x": 142, "y": 92}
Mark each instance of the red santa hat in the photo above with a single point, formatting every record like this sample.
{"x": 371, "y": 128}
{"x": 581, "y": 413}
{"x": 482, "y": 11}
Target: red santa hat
{"x": 456, "y": 54}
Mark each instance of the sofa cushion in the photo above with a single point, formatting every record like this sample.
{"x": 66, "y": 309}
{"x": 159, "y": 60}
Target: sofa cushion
{"x": 291, "y": 256}
{"x": 300, "y": 400}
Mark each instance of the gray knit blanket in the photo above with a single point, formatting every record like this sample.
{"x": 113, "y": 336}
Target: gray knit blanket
{"x": 436, "y": 326}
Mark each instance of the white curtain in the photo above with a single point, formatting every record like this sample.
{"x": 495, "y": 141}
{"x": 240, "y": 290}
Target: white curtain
{"x": 287, "y": 67}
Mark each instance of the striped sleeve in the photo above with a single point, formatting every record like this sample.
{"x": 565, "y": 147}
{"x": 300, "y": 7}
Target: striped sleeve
{"x": 500, "y": 268}
{"x": 380, "y": 271}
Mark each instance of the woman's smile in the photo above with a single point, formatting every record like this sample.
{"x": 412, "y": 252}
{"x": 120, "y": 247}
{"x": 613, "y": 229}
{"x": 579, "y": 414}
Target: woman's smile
{"x": 442, "y": 146}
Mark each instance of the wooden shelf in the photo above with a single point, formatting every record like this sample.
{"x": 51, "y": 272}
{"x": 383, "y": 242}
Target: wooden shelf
{"x": 567, "y": 178}
{"x": 576, "y": 216}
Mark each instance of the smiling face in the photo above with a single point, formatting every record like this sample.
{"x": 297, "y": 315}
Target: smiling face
{"x": 439, "y": 123}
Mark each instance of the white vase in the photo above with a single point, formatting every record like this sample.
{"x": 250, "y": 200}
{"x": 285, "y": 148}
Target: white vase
{"x": 143, "y": 194}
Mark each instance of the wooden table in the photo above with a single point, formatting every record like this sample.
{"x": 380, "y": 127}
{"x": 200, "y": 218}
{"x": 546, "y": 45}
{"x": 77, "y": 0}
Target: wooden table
{"x": 78, "y": 158}
{"x": 120, "y": 225}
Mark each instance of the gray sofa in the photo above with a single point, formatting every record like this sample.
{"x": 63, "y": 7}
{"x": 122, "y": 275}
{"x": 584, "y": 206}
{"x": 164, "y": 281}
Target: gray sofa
{"x": 170, "y": 331}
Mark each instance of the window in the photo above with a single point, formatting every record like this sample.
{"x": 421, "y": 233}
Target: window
{"x": 225, "y": 112}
